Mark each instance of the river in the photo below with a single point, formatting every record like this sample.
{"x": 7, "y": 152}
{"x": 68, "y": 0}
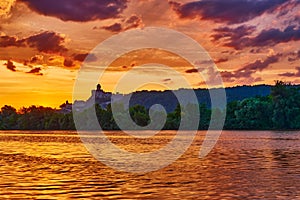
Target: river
{"x": 242, "y": 165}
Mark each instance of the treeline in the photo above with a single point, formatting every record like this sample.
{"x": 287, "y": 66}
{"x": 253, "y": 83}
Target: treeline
{"x": 278, "y": 111}
{"x": 35, "y": 118}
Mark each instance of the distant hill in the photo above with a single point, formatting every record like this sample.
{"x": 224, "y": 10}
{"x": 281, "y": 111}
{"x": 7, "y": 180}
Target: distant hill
{"x": 169, "y": 101}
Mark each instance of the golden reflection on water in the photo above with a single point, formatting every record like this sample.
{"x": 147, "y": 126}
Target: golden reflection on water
{"x": 243, "y": 165}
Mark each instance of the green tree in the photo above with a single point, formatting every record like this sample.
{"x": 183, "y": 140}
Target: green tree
{"x": 286, "y": 104}
{"x": 8, "y": 117}
{"x": 231, "y": 121}
{"x": 254, "y": 113}
{"x": 139, "y": 115}
{"x": 173, "y": 119}
{"x": 205, "y": 115}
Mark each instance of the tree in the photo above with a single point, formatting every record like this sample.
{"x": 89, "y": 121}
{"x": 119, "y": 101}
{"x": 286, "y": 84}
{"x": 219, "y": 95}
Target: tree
{"x": 286, "y": 104}
{"x": 231, "y": 121}
{"x": 205, "y": 115}
{"x": 254, "y": 113}
{"x": 8, "y": 118}
{"x": 173, "y": 119}
{"x": 139, "y": 115}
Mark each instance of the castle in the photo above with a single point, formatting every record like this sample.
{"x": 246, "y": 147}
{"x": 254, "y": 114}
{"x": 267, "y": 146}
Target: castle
{"x": 98, "y": 96}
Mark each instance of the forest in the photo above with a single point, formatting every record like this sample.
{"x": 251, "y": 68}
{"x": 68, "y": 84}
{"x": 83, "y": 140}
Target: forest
{"x": 278, "y": 111}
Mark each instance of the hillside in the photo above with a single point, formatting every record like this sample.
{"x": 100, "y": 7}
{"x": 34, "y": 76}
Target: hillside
{"x": 169, "y": 101}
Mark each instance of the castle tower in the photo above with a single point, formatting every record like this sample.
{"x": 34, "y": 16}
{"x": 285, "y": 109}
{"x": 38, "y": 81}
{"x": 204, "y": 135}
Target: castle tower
{"x": 98, "y": 87}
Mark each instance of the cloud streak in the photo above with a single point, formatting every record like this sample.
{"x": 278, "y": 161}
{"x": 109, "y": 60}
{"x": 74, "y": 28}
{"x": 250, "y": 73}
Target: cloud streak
{"x": 248, "y": 70}
{"x": 46, "y": 42}
{"x": 230, "y": 12}
{"x": 239, "y": 38}
{"x": 132, "y": 22}
{"x": 291, "y": 74}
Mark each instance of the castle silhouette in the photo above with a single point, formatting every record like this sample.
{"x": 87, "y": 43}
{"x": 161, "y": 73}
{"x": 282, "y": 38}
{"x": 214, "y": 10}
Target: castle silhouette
{"x": 98, "y": 96}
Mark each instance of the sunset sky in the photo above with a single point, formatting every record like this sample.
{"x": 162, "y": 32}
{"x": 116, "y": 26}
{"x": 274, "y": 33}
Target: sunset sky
{"x": 44, "y": 42}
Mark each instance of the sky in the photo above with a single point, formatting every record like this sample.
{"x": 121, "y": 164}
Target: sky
{"x": 44, "y": 44}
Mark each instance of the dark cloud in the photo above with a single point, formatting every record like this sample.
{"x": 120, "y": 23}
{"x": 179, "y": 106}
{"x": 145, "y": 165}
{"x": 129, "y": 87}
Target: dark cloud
{"x": 84, "y": 57}
{"x": 116, "y": 27}
{"x": 36, "y": 71}
{"x": 129, "y": 23}
{"x": 239, "y": 38}
{"x": 248, "y": 70}
{"x": 47, "y": 42}
{"x": 288, "y": 74}
{"x": 133, "y": 22}
{"x": 233, "y": 37}
{"x": 292, "y": 74}
{"x": 221, "y": 60}
{"x": 191, "y": 71}
{"x": 228, "y": 76}
{"x": 80, "y": 57}
{"x": 8, "y": 41}
{"x": 36, "y": 58}
{"x": 133, "y": 19}
{"x": 10, "y": 65}
{"x": 33, "y": 59}
{"x": 275, "y": 36}
{"x": 230, "y": 11}
{"x": 68, "y": 62}
{"x": 78, "y": 10}
{"x": 260, "y": 65}
{"x": 234, "y": 33}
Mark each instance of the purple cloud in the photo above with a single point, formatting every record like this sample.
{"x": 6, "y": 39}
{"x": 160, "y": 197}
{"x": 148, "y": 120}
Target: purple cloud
{"x": 116, "y": 27}
{"x": 239, "y": 38}
{"x": 292, "y": 74}
{"x": 233, "y": 37}
{"x": 129, "y": 23}
{"x": 275, "y": 36}
{"x": 248, "y": 70}
{"x": 47, "y": 42}
{"x": 230, "y": 11}
{"x": 8, "y": 41}
{"x": 78, "y": 10}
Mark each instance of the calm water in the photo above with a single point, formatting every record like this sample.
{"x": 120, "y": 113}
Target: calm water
{"x": 243, "y": 165}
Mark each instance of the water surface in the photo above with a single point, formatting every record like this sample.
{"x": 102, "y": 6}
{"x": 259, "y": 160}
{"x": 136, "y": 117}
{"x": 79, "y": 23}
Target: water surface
{"x": 243, "y": 165}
